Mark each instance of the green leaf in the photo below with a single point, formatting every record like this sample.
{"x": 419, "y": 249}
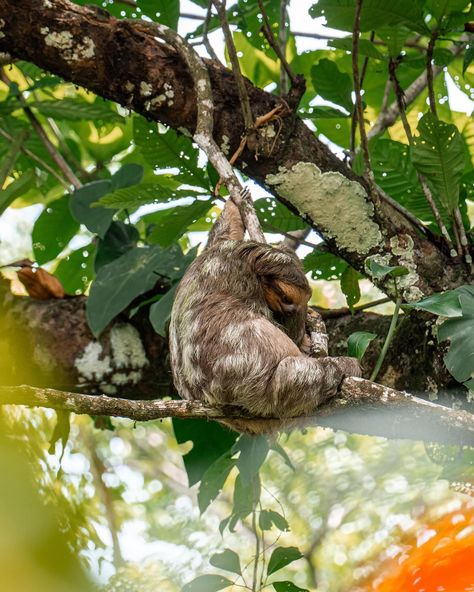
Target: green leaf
{"x": 269, "y": 518}
{"x": 118, "y": 239}
{"x": 169, "y": 150}
{"x": 281, "y": 557}
{"x": 358, "y": 342}
{"x": 128, "y": 175}
{"x": 228, "y": 560}
{"x": 121, "y": 281}
{"x": 332, "y": 84}
{"x": 165, "y": 12}
{"x": 77, "y": 110}
{"x": 16, "y": 189}
{"x": 210, "y": 441}
{"x": 53, "y": 230}
{"x": 278, "y": 448}
{"x": 169, "y": 225}
{"x": 350, "y": 286}
{"x": 440, "y": 8}
{"x": 96, "y": 219}
{"x": 460, "y": 357}
{"x": 438, "y": 153}
{"x": 468, "y": 56}
{"x": 76, "y": 270}
{"x": 444, "y": 304}
{"x": 286, "y": 586}
{"x": 339, "y": 14}
{"x": 246, "y": 498}
{"x": 275, "y": 216}
{"x": 166, "y": 189}
{"x": 209, "y": 583}
{"x": 324, "y": 265}
{"x": 61, "y": 430}
{"x": 324, "y": 112}
{"x": 213, "y": 480}
{"x": 160, "y": 311}
{"x": 394, "y": 37}
{"x": 253, "y": 452}
{"x": 379, "y": 271}
{"x": 366, "y": 47}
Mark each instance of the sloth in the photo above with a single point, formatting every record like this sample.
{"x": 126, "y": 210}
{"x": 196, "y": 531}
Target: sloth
{"x": 240, "y": 333}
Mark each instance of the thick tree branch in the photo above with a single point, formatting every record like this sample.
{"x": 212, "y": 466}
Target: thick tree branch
{"x": 361, "y": 406}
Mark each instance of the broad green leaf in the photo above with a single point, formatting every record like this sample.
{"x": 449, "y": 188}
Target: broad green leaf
{"x": 214, "y": 479}
{"x": 332, "y": 84}
{"x": 53, "y": 230}
{"x": 269, "y": 518}
{"x": 358, "y": 342}
{"x": 210, "y": 441}
{"x": 379, "y": 271}
{"x": 16, "y": 189}
{"x": 460, "y": 331}
{"x": 121, "y": 281}
{"x": 76, "y": 270}
{"x": 278, "y": 448}
{"x": 394, "y": 37}
{"x": 77, "y": 110}
{"x": 438, "y": 153}
{"x": 169, "y": 150}
{"x": 445, "y": 304}
{"x": 160, "y": 311}
{"x": 253, "y": 452}
{"x": 468, "y": 56}
{"x": 324, "y": 265}
{"x": 118, "y": 239}
{"x": 165, "y": 12}
{"x": 165, "y": 189}
{"x": 350, "y": 286}
{"x": 281, "y": 557}
{"x": 96, "y": 219}
{"x": 246, "y": 498}
{"x": 287, "y": 586}
{"x": 209, "y": 583}
{"x": 441, "y": 8}
{"x": 366, "y": 48}
{"x": 339, "y": 14}
{"x": 61, "y": 430}
{"x": 128, "y": 175}
{"x": 169, "y": 225}
{"x": 324, "y": 112}
{"x": 274, "y": 216}
{"x": 227, "y": 560}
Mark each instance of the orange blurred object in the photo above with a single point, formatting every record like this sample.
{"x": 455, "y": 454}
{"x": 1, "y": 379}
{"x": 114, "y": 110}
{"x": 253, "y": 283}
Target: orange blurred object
{"x": 40, "y": 284}
{"x": 440, "y": 559}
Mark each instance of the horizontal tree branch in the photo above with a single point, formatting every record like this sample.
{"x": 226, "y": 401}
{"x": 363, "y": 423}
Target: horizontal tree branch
{"x": 361, "y": 406}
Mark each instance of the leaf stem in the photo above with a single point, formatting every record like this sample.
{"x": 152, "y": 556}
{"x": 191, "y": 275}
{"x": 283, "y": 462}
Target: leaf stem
{"x": 388, "y": 339}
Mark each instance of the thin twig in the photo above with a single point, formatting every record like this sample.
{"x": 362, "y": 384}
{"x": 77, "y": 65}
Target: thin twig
{"x": 429, "y": 72}
{"x": 354, "y": 112}
{"x": 295, "y": 238}
{"x": 283, "y": 39}
{"x": 392, "y": 67}
{"x": 50, "y": 147}
{"x": 267, "y": 31}
{"x": 359, "y": 108}
{"x": 205, "y": 33}
{"x": 257, "y": 550}
{"x": 234, "y": 60}
{"x": 37, "y": 159}
{"x": 388, "y": 340}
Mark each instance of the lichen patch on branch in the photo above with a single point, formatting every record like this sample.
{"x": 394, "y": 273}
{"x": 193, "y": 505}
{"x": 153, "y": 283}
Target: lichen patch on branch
{"x": 72, "y": 50}
{"x": 334, "y": 202}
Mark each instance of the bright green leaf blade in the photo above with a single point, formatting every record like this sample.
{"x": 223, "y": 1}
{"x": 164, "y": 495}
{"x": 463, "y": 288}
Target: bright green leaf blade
{"x": 77, "y": 110}
{"x": 16, "y": 189}
{"x": 438, "y": 154}
{"x": 445, "y": 304}
{"x": 53, "y": 230}
{"x": 128, "y": 175}
{"x": 76, "y": 270}
{"x": 332, "y": 84}
{"x": 170, "y": 225}
{"x": 246, "y": 498}
{"x": 275, "y": 216}
{"x": 366, "y": 48}
{"x": 210, "y": 583}
{"x": 227, "y": 560}
{"x": 210, "y": 441}
{"x": 324, "y": 112}
{"x": 213, "y": 480}
{"x": 358, "y": 342}
{"x": 160, "y": 311}
{"x": 165, "y": 12}
{"x": 281, "y": 557}
{"x": 324, "y": 265}
{"x": 468, "y": 57}
{"x": 163, "y": 191}
{"x": 253, "y": 452}
{"x": 287, "y": 586}
{"x": 121, "y": 281}
{"x": 96, "y": 219}
{"x": 350, "y": 286}
{"x": 379, "y": 271}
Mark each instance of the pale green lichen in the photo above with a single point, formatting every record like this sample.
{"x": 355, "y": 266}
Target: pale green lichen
{"x": 127, "y": 347}
{"x": 334, "y": 202}
{"x": 91, "y": 365}
{"x": 225, "y": 145}
{"x": 2, "y": 24}
{"x": 402, "y": 247}
{"x": 72, "y": 50}
{"x": 145, "y": 88}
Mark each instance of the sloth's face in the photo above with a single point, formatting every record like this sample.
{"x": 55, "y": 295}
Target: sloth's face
{"x": 285, "y": 298}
